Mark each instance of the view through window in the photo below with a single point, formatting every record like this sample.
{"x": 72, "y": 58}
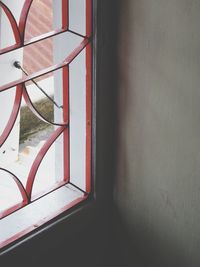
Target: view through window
{"x": 45, "y": 102}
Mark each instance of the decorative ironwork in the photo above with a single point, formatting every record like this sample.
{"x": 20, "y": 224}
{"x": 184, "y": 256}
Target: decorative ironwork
{"x": 17, "y": 65}
{"x": 21, "y": 91}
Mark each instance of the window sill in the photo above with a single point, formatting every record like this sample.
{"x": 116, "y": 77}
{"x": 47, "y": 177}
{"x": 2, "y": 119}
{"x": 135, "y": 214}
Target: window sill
{"x": 38, "y": 213}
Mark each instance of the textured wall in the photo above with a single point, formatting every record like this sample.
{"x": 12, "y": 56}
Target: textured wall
{"x": 158, "y": 175}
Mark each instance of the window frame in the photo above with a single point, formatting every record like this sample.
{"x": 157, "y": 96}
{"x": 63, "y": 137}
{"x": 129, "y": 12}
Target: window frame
{"x": 86, "y": 210}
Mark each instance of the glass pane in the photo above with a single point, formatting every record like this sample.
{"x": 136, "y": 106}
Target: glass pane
{"x": 51, "y": 169}
{"x": 42, "y": 18}
{"x": 9, "y": 192}
{"x": 47, "y": 96}
{"x": 9, "y": 104}
{"x": 7, "y": 38}
{"x": 31, "y": 136}
{"x": 38, "y": 56}
{"x": 31, "y": 126}
{"x": 7, "y": 99}
{"x": 77, "y": 16}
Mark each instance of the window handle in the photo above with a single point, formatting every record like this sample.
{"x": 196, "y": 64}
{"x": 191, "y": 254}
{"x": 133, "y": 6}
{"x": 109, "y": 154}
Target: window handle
{"x": 17, "y": 65}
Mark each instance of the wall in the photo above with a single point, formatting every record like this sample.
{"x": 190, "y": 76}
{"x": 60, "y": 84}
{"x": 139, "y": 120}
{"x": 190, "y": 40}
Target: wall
{"x": 157, "y": 192}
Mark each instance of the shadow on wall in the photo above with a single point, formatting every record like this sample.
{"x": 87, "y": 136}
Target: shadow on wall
{"x": 107, "y": 95}
{"x": 142, "y": 246}
{"x": 135, "y": 235}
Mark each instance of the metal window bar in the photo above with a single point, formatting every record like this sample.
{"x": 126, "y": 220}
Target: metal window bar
{"x": 19, "y": 33}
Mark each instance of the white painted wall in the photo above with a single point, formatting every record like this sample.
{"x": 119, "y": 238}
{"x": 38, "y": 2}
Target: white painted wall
{"x": 157, "y": 189}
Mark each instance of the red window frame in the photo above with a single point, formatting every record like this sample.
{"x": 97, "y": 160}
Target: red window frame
{"x": 86, "y": 43}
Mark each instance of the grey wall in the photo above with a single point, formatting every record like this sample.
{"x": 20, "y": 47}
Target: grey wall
{"x": 157, "y": 191}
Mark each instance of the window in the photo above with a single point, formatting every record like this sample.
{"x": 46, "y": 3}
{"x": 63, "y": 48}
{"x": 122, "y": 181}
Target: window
{"x": 45, "y": 103}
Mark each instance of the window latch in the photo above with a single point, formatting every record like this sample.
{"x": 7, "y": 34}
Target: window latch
{"x": 17, "y": 65}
